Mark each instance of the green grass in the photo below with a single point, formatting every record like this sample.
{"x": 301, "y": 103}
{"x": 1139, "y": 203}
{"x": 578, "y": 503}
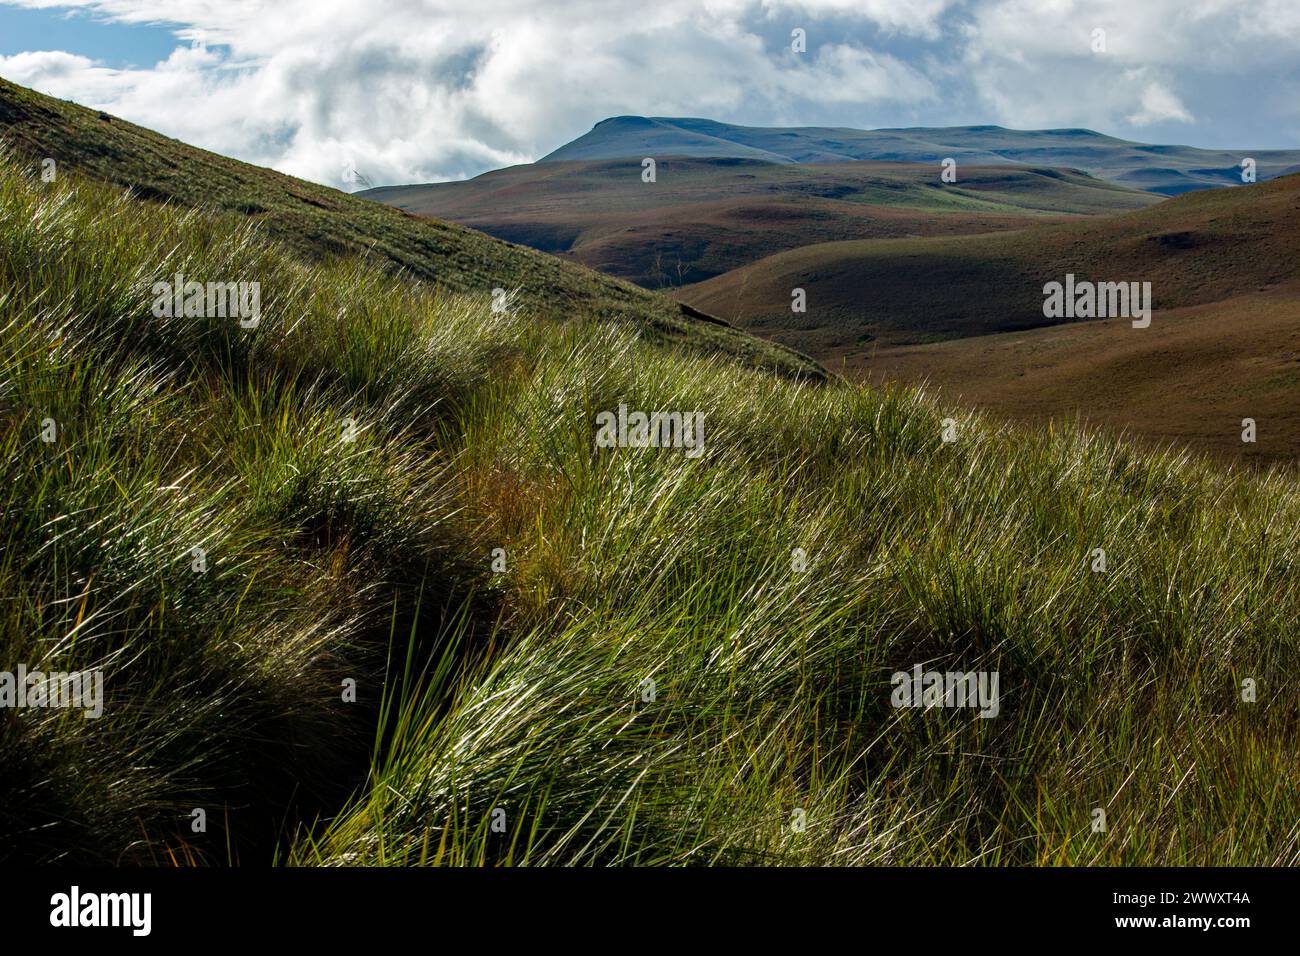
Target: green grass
{"x": 524, "y": 691}
{"x": 320, "y": 224}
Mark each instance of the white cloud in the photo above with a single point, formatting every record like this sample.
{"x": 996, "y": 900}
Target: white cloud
{"x": 46, "y": 66}
{"x": 1159, "y": 105}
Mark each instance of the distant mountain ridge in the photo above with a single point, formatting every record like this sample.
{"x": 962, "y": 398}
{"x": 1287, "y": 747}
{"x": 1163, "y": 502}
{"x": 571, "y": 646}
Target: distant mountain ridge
{"x": 1165, "y": 169}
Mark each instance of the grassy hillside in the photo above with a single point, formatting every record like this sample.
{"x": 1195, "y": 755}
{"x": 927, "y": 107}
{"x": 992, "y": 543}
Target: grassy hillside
{"x": 1166, "y": 169}
{"x": 317, "y": 223}
{"x": 703, "y": 217}
{"x": 1195, "y": 249}
{"x": 348, "y": 467}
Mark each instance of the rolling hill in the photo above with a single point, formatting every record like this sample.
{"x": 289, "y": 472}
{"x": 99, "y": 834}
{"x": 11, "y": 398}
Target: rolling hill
{"x": 966, "y": 315}
{"x": 1194, "y": 249}
{"x": 703, "y": 217}
{"x": 318, "y": 223}
{"x": 1165, "y": 169}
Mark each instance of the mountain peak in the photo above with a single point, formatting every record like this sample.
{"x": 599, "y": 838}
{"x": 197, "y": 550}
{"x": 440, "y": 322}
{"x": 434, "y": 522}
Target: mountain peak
{"x": 627, "y": 120}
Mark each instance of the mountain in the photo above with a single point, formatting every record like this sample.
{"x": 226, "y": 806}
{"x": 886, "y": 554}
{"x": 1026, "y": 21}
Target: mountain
{"x": 702, "y": 217}
{"x": 1168, "y": 170}
{"x": 319, "y": 223}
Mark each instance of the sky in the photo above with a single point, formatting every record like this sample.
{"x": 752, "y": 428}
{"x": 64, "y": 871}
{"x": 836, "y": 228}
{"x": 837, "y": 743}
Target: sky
{"x": 409, "y": 91}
